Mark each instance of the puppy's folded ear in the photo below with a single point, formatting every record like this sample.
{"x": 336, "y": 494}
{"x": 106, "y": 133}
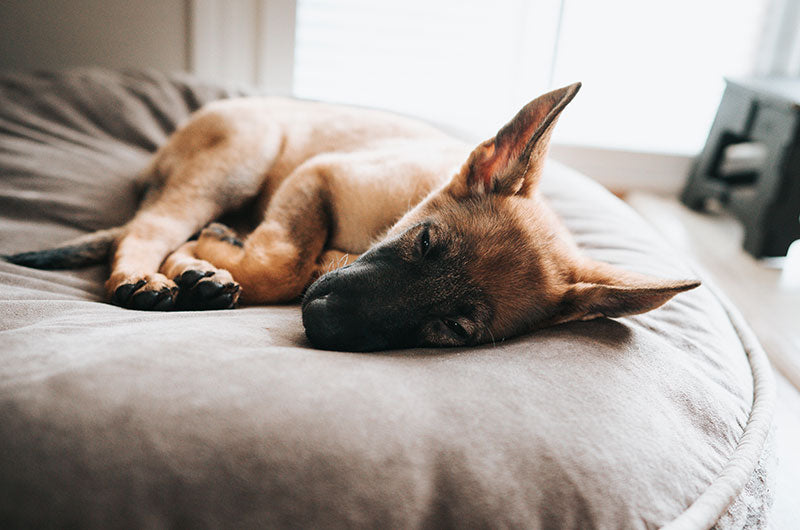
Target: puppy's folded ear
{"x": 511, "y": 162}
{"x": 606, "y": 291}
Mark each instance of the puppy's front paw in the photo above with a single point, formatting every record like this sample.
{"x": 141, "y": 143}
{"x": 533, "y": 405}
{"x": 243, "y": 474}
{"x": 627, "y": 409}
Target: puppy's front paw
{"x": 147, "y": 292}
{"x": 203, "y": 290}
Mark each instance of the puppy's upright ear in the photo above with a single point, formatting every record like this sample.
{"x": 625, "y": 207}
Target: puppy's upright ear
{"x": 511, "y": 162}
{"x": 602, "y": 290}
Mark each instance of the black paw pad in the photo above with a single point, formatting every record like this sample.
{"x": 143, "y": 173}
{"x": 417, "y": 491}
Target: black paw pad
{"x": 153, "y": 300}
{"x": 129, "y": 296}
{"x": 122, "y": 294}
{"x": 203, "y": 295}
{"x": 191, "y": 277}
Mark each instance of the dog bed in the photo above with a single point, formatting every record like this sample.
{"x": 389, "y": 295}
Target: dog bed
{"x": 117, "y": 418}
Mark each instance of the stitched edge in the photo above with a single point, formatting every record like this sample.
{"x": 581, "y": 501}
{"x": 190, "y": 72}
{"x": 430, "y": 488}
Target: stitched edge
{"x": 715, "y": 500}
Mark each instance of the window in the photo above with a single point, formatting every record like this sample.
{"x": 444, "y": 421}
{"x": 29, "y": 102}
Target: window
{"x": 652, "y": 71}
{"x": 456, "y": 62}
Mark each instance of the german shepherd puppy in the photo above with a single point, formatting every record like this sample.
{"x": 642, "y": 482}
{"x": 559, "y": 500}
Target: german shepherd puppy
{"x": 457, "y": 246}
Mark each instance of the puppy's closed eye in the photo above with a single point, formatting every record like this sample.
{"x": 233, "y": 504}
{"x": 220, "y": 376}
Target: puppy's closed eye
{"x": 455, "y": 327}
{"x": 423, "y": 241}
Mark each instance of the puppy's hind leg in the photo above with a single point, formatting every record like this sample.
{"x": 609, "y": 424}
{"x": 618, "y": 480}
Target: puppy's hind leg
{"x": 281, "y": 256}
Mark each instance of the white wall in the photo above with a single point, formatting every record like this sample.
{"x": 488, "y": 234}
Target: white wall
{"x": 55, "y": 34}
{"x": 244, "y": 41}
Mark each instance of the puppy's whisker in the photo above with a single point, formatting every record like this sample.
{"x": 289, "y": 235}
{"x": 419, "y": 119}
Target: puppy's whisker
{"x": 494, "y": 344}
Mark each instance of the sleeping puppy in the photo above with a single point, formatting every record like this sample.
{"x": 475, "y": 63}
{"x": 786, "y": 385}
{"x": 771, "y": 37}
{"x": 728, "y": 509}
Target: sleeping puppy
{"x": 412, "y": 237}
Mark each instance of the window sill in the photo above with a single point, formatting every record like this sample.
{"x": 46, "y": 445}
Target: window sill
{"x": 622, "y": 171}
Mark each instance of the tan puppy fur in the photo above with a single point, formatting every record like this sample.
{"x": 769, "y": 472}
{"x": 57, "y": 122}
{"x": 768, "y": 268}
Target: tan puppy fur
{"x": 322, "y": 184}
{"x": 319, "y": 173}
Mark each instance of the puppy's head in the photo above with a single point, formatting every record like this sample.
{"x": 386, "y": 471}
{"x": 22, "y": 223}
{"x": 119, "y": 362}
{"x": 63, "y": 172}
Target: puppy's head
{"x": 481, "y": 259}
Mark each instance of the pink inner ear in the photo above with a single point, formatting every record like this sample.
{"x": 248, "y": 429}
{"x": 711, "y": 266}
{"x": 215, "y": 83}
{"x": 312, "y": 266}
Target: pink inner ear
{"x": 484, "y": 169}
{"x": 498, "y": 154}
{"x": 490, "y": 162}
{"x": 511, "y": 162}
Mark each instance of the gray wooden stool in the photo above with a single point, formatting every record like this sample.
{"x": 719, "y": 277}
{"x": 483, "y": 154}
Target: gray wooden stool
{"x": 751, "y": 162}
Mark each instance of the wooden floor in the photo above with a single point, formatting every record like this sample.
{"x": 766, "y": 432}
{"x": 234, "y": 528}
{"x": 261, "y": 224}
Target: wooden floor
{"x": 768, "y": 295}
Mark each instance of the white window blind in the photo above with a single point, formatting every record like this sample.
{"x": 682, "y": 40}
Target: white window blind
{"x": 465, "y": 63}
{"x": 652, "y": 71}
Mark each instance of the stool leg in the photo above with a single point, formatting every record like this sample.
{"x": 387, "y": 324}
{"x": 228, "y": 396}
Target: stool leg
{"x": 769, "y": 209}
{"x": 781, "y": 220}
{"x": 732, "y": 122}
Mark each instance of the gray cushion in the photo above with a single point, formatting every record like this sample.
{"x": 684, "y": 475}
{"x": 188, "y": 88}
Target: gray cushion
{"x": 114, "y": 417}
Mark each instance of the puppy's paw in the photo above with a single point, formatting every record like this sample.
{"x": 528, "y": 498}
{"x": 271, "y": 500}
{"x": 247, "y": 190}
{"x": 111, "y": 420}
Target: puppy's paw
{"x": 146, "y": 292}
{"x": 203, "y": 290}
{"x": 220, "y": 232}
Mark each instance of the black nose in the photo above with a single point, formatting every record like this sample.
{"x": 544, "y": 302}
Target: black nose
{"x": 320, "y": 324}
{"x": 330, "y": 325}
{"x": 330, "y": 320}
{"x": 355, "y": 308}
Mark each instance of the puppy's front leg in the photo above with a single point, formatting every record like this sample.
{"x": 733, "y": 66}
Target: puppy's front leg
{"x": 155, "y": 230}
{"x": 281, "y": 256}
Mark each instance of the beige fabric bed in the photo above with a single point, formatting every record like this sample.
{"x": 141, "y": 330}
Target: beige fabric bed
{"x": 118, "y": 418}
